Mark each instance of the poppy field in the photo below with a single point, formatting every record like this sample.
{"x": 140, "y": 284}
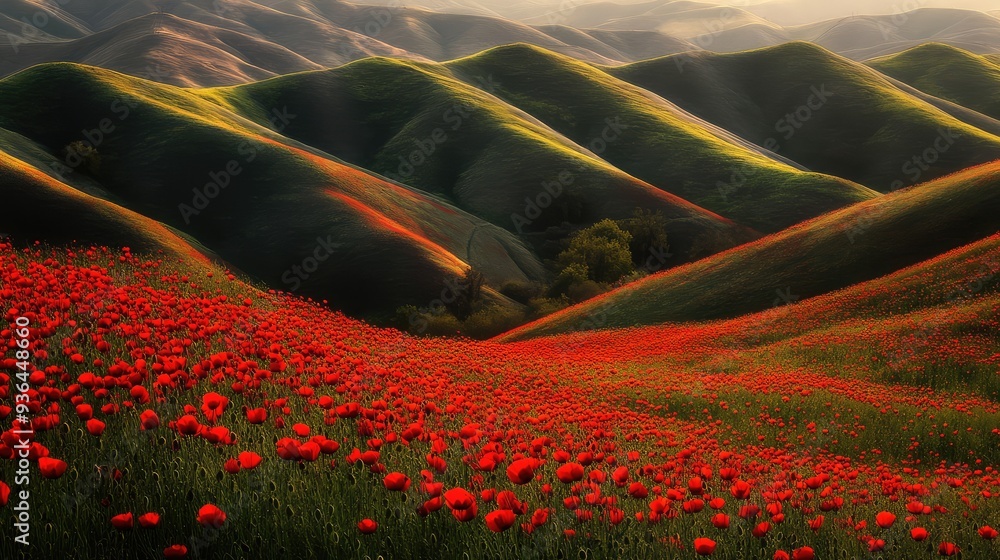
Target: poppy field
{"x": 188, "y": 414}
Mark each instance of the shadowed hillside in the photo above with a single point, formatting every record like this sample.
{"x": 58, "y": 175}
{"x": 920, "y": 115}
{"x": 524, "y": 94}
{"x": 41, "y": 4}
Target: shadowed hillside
{"x": 75, "y": 217}
{"x": 834, "y": 251}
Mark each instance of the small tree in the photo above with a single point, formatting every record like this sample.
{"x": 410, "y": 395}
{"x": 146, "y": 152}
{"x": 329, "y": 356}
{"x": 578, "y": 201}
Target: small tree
{"x": 468, "y": 290}
{"x": 83, "y": 156}
{"x": 649, "y": 234}
{"x": 603, "y": 249}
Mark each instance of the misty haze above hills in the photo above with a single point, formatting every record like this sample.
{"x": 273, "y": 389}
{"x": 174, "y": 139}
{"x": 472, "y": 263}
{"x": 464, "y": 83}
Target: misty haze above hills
{"x": 782, "y": 12}
{"x": 225, "y": 42}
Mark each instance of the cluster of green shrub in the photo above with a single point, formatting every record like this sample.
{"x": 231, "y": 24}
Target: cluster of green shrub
{"x": 591, "y": 261}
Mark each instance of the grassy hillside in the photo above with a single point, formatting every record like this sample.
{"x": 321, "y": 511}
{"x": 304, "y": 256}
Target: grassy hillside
{"x": 949, "y": 73}
{"x": 43, "y": 209}
{"x": 266, "y": 204}
{"x": 919, "y": 327}
{"x": 417, "y": 124}
{"x": 656, "y": 142}
{"x": 834, "y": 251}
{"x": 859, "y": 126}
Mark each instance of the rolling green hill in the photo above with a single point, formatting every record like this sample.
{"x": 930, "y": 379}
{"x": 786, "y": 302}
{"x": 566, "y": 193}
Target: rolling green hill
{"x": 821, "y": 110}
{"x": 419, "y": 125}
{"x": 948, "y": 72}
{"x": 289, "y": 215}
{"x": 834, "y": 251}
{"x": 656, "y": 142}
{"x": 43, "y": 209}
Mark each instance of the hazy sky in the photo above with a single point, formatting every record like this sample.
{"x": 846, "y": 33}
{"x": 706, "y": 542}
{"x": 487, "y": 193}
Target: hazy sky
{"x": 784, "y": 12}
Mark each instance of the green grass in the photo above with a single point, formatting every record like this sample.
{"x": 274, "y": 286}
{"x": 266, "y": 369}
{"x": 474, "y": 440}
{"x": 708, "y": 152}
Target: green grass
{"x": 947, "y": 72}
{"x": 657, "y": 143}
{"x": 834, "y": 251}
{"x": 865, "y": 131}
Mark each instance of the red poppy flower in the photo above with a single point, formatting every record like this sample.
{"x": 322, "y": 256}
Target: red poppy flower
{"x": 781, "y": 555}
{"x": 367, "y": 526}
{"x": 213, "y": 405}
{"x": 257, "y": 415}
{"x": 396, "y": 482}
{"x": 123, "y": 521}
{"x": 219, "y": 435}
{"x": 175, "y": 551}
{"x": 884, "y": 519}
{"x": 5, "y": 496}
{"x": 149, "y": 520}
{"x": 211, "y": 516}
{"x": 301, "y": 430}
{"x": 760, "y": 531}
{"x": 188, "y": 425}
{"x": 51, "y": 468}
{"x": 693, "y": 506}
{"x": 919, "y": 534}
{"x": 500, "y": 520}
{"x": 522, "y": 471}
{"x": 696, "y": 486}
{"x": 309, "y": 451}
{"x": 508, "y": 500}
{"x": 232, "y": 466}
{"x": 249, "y": 460}
{"x": 986, "y": 532}
{"x": 740, "y": 490}
{"x": 467, "y": 514}
{"x": 917, "y": 508}
{"x": 947, "y": 549}
{"x": 804, "y": 553}
{"x": 459, "y": 499}
{"x": 570, "y": 472}
{"x": 95, "y": 427}
{"x": 720, "y": 521}
{"x": 84, "y": 411}
{"x": 704, "y": 546}
{"x": 638, "y": 490}
{"x": 149, "y": 420}
{"x": 348, "y": 410}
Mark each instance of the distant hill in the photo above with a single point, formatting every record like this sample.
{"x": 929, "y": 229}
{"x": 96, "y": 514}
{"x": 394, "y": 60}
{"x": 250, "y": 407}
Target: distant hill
{"x": 224, "y": 42}
{"x": 853, "y": 245}
{"x": 165, "y": 48}
{"x": 820, "y": 110}
{"x": 658, "y": 142}
{"x": 950, "y": 73}
{"x": 859, "y": 33}
{"x": 864, "y": 37}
